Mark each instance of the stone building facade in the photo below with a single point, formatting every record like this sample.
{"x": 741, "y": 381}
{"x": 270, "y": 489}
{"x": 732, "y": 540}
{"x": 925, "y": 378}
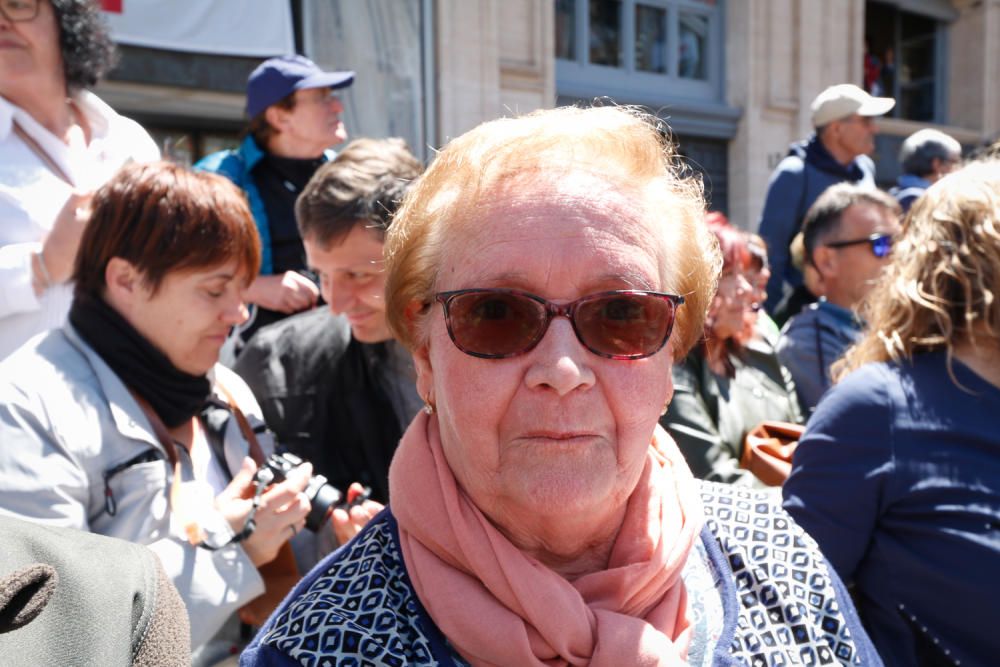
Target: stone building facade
{"x": 733, "y": 78}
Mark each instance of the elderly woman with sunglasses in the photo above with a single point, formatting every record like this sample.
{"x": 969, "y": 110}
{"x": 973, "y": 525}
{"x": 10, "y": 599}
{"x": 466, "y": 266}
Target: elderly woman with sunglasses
{"x": 58, "y": 142}
{"x": 547, "y": 271}
{"x": 898, "y": 473}
{"x": 729, "y": 383}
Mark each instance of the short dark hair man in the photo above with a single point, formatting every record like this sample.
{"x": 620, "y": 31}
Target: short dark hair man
{"x": 925, "y": 156}
{"x": 335, "y": 387}
{"x": 294, "y": 122}
{"x": 842, "y": 116}
{"x": 847, "y": 237}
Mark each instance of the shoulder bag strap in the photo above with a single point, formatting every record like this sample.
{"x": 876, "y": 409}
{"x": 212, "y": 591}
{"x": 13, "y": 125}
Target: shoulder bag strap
{"x": 256, "y": 451}
{"x": 46, "y": 159}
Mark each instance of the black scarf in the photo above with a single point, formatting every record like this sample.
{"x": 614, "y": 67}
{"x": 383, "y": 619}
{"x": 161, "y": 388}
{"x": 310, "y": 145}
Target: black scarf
{"x": 173, "y": 394}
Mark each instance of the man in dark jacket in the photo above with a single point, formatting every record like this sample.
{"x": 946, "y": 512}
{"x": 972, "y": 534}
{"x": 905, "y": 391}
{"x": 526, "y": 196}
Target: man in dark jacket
{"x": 294, "y": 121}
{"x": 847, "y": 238}
{"x": 838, "y": 151}
{"x": 334, "y": 385}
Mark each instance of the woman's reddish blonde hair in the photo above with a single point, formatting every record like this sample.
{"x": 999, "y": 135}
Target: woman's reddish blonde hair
{"x": 622, "y": 144}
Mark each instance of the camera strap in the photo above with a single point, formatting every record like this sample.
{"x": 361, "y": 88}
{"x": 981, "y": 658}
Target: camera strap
{"x": 281, "y": 574}
{"x": 256, "y": 451}
{"x": 42, "y": 154}
{"x": 192, "y": 528}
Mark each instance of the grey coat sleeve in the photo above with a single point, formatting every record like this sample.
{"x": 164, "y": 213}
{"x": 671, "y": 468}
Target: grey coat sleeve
{"x": 796, "y": 349}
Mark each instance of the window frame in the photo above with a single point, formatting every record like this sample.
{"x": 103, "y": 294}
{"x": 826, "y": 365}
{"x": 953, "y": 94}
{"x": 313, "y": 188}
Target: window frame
{"x": 940, "y": 55}
{"x": 625, "y": 83}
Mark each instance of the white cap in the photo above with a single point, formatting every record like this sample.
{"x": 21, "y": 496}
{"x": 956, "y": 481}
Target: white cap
{"x": 846, "y": 99}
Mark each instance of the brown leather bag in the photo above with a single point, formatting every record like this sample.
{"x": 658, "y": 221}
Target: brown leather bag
{"x": 280, "y": 576}
{"x": 768, "y": 450}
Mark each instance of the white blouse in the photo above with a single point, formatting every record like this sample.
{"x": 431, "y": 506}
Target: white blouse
{"x": 31, "y": 196}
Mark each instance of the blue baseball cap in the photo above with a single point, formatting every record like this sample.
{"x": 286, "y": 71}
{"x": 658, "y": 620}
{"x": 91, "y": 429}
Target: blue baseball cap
{"x": 276, "y": 78}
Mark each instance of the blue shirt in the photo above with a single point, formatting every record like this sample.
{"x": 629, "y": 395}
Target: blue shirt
{"x": 898, "y": 479}
{"x": 810, "y": 342}
{"x": 237, "y": 165}
{"x": 805, "y": 173}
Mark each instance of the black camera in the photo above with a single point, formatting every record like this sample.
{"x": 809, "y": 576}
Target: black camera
{"x": 323, "y": 496}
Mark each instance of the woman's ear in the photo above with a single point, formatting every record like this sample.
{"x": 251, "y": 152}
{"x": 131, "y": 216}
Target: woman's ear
{"x": 425, "y": 374}
{"x": 413, "y": 314}
{"x": 122, "y": 282}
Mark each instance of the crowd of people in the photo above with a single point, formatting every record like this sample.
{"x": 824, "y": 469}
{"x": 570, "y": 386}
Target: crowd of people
{"x": 309, "y": 402}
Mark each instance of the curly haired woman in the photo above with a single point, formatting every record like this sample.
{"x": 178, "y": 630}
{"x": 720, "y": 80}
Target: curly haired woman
{"x": 898, "y": 474}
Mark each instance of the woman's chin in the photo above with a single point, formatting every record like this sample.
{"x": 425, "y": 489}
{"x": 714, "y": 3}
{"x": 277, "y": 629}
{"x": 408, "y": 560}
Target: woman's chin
{"x": 568, "y": 492}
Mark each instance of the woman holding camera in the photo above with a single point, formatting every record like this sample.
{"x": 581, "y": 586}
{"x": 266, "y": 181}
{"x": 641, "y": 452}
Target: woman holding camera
{"x": 122, "y": 423}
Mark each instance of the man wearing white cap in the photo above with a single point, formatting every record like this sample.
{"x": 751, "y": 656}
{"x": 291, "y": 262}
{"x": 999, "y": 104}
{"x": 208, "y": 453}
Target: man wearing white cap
{"x": 294, "y": 121}
{"x": 843, "y": 117}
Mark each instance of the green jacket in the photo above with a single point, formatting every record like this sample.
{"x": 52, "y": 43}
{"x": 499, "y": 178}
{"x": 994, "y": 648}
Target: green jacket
{"x": 710, "y": 415}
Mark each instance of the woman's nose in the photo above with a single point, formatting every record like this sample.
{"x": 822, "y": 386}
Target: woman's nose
{"x": 237, "y": 312}
{"x": 560, "y": 361}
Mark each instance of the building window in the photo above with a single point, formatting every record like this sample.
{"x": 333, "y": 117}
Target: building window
{"x": 904, "y": 59}
{"x": 645, "y": 51}
{"x": 650, "y": 39}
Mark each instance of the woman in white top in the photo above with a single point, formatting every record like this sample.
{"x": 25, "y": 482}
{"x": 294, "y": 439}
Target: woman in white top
{"x": 58, "y": 142}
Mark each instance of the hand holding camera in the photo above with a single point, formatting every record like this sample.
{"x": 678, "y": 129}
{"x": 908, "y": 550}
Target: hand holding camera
{"x": 348, "y": 521}
{"x": 281, "y": 510}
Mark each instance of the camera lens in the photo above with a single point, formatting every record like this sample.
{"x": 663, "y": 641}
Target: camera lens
{"x": 323, "y": 497}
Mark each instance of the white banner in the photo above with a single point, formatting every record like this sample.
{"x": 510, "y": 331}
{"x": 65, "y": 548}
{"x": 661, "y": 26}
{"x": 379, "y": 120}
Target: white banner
{"x": 227, "y": 27}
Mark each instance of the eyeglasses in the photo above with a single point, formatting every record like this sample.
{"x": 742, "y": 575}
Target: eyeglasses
{"x": 316, "y": 96}
{"x": 881, "y": 244}
{"x": 17, "y": 11}
{"x": 502, "y": 323}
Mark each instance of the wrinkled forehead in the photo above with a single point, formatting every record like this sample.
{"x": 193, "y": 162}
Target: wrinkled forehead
{"x": 574, "y": 206}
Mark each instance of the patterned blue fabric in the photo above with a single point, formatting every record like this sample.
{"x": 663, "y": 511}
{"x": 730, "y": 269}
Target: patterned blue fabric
{"x": 781, "y": 604}
{"x": 792, "y": 607}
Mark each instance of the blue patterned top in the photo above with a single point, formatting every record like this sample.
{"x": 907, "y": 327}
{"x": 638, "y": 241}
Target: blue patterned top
{"x": 760, "y": 593}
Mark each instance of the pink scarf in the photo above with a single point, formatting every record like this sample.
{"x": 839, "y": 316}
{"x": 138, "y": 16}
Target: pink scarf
{"x": 499, "y": 606}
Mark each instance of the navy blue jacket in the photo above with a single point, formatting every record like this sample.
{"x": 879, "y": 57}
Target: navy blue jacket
{"x": 898, "y": 479}
{"x": 799, "y": 180}
{"x": 908, "y": 189}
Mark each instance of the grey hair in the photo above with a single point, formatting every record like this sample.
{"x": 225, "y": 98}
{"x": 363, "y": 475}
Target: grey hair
{"x": 920, "y": 149}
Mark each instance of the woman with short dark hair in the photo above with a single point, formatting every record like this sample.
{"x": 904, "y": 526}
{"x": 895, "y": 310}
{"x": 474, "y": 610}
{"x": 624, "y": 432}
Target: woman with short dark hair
{"x": 58, "y": 142}
{"x": 121, "y": 422}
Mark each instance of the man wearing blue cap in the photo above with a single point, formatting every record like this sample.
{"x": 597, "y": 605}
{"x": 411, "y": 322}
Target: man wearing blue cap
{"x": 294, "y": 122}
